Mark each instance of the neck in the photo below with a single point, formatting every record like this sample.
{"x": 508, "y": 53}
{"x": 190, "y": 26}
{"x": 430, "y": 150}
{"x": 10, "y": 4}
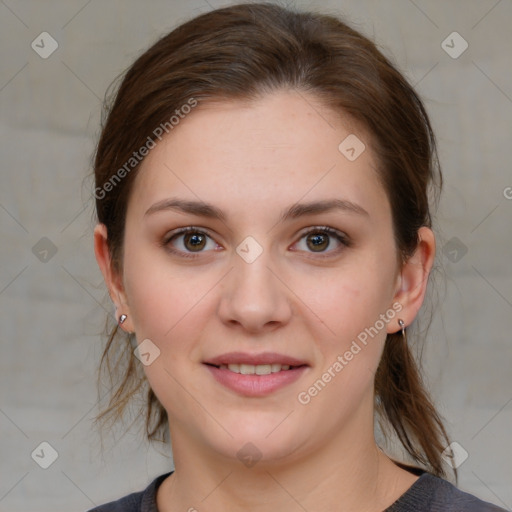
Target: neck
{"x": 338, "y": 476}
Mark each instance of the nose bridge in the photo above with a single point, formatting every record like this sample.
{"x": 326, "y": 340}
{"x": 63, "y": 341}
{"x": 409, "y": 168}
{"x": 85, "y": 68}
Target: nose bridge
{"x": 253, "y": 296}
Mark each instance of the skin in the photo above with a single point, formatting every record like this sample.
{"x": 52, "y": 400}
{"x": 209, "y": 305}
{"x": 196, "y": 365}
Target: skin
{"x": 253, "y": 161}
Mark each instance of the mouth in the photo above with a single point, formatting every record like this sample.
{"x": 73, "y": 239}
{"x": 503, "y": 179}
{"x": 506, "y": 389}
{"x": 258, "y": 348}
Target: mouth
{"x": 255, "y": 369}
{"x": 255, "y": 375}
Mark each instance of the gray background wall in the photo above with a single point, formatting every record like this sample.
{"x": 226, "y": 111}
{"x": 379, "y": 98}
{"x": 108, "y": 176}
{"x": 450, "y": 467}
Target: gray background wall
{"x": 52, "y": 300}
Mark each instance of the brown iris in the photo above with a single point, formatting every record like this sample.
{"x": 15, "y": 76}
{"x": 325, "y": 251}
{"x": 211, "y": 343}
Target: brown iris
{"x": 319, "y": 241}
{"x": 197, "y": 241}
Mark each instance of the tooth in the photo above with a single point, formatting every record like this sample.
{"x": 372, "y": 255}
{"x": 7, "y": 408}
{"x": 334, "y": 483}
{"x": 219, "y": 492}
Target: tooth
{"x": 259, "y": 369}
{"x": 263, "y": 369}
{"x": 247, "y": 369}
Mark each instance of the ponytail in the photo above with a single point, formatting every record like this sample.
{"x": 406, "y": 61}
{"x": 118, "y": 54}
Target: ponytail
{"x": 404, "y": 401}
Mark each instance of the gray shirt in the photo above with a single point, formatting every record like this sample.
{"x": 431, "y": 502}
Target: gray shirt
{"x": 428, "y": 494}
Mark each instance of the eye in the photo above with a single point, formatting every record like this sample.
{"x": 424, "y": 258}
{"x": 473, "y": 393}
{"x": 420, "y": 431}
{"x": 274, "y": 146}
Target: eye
{"x": 189, "y": 240}
{"x": 320, "y": 238}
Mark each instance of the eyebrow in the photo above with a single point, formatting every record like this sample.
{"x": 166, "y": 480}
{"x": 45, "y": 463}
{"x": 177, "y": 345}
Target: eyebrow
{"x": 202, "y": 209}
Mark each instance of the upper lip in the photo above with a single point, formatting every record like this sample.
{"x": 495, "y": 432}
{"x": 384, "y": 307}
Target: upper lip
{"x": 255, "y": 359}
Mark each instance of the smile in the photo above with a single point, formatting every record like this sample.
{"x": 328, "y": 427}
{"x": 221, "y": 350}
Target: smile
{"x": 251, "y": 369}
{"x": 255, "y": 375}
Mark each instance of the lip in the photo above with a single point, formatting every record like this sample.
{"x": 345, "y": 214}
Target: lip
{"x": 255, "y": 385}
{"x": 248, "y": 358}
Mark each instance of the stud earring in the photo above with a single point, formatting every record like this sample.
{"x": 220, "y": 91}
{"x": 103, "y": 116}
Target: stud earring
{"x": 122, "y": 319}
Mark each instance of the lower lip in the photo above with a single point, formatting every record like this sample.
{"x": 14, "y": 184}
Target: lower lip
{"x": 256, "y": 385}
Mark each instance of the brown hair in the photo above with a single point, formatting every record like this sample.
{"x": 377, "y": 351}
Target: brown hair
{"x": 241, "y": 53}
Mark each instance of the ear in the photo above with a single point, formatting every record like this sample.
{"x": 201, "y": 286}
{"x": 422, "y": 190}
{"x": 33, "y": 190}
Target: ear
{"x": 112, "y": 278}
{"x": 413, "y": 278}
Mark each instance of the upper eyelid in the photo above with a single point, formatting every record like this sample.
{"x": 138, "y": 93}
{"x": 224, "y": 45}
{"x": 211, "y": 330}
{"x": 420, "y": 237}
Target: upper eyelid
{"x": 187, "y": 229}
{"x": 206, "y": 231}
{"x": 321, "y": 228}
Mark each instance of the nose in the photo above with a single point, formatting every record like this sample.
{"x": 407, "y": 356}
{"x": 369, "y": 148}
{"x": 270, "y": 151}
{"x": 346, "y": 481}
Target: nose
{"x": 254, "y": 296}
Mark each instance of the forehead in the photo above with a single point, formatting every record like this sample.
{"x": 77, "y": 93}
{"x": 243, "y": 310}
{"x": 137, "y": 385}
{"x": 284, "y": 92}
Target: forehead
{"x": 249, "y": 155}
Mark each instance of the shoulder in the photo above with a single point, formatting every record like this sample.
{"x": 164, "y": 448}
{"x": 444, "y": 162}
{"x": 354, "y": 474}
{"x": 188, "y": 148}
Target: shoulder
{"x": 143, "y": 501}
{"x": 431, "y": 493}
{"x": 130, "y": 503}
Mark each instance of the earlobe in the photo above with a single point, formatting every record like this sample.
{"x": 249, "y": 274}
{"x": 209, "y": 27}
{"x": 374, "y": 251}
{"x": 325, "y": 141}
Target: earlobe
{"x": 413, "y": 278}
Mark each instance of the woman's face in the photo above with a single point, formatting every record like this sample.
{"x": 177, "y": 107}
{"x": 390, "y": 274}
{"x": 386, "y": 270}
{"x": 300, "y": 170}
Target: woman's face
{"x": 258, "y": 281}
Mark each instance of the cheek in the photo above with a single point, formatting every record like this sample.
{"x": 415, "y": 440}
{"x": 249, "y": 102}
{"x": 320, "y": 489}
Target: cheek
{"x": 167, "y": 310}
{"x": 350, "y": 305}
{"x": 350, "y": 351}
{"x": 161, "y": 298}
{"x": 171, "y": 310}
{"x": 352, "y": 298}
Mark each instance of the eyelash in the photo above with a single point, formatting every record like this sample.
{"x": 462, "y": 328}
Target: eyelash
{"x": 341, "y": 237}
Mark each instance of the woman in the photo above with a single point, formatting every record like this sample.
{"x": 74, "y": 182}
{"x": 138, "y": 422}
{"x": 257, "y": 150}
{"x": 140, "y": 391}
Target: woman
{"x": 264, "y": 232}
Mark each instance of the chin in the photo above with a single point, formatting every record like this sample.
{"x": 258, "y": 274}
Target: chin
{"x": 260, "y": 440}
